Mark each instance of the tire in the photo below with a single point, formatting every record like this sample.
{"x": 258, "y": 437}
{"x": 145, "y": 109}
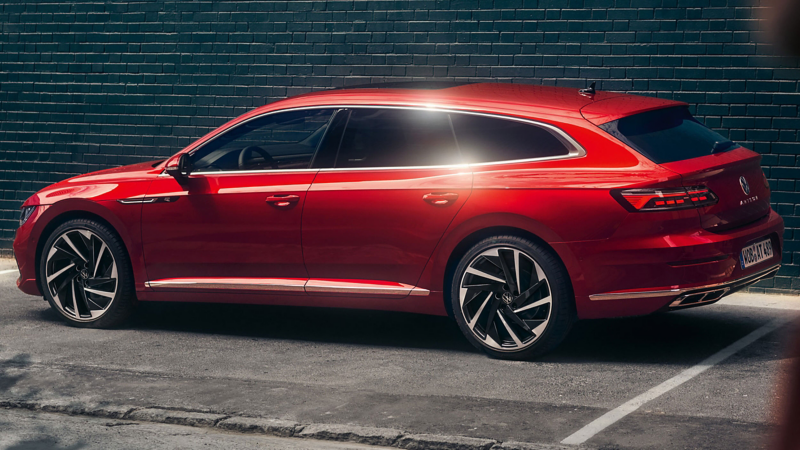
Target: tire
{"x": 84, "y": 267}
{"x": 494, "y": 315}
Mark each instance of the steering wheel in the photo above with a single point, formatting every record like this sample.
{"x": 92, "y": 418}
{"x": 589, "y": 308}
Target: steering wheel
{"x": 247, "y": 153}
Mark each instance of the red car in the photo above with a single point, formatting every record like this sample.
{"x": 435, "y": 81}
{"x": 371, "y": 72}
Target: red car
{"x": 516, "y": 209}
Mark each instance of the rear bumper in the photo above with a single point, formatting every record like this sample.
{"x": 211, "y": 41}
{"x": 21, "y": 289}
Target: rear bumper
{"x": 712, "y": 293}
{"x": 644, "y": 274}
{"x": 694, "y": 296}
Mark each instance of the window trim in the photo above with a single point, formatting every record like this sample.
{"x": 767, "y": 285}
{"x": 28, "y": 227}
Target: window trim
{"x": 576, "y": 150}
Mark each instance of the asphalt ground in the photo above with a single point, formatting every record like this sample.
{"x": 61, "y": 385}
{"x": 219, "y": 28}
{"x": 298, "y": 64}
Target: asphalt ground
{"x": 417, "y": 373}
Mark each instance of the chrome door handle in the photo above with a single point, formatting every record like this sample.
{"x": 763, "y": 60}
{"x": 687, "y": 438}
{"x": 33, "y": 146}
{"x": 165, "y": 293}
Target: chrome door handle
{"x": 283, "y": 200}
{"x": 440, "y": 199}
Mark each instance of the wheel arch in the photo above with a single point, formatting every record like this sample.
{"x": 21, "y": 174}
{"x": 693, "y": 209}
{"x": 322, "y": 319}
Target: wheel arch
{"x": 476, "y": 236}
{"x": 64, "y": 213}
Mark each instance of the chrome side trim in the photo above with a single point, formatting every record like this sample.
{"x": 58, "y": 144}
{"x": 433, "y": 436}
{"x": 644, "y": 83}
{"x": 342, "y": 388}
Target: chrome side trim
{"x": 739, "y": 282}
{"x": 575, "y": 149}
{"x": 362, "y": 288}
{"x": 248, "y": 284}
{"x": 419, "y": 292}
{"x": 289, "y": 285}
{"x": 136, "y": 201}
{"x": 640, "y": 294}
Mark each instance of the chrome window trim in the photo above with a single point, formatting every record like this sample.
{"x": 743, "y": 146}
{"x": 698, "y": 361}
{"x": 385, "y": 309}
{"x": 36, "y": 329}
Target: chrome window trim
{"x": 225, "y": 172}
{"x": 575, "y": 149}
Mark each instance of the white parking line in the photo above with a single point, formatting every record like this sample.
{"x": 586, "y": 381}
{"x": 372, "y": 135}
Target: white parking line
{"x": 611, "y": 417}
{"x": 7, "y": 271}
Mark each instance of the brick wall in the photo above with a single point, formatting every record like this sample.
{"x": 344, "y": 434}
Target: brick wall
{"x": 90, "y": 85}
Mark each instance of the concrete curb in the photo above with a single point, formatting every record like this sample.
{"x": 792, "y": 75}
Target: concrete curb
{"x": 386, "y": 437}
{"x": 192, "y": 419}
{"x": 272, "y": 427}
{"x": 437, "y": 442}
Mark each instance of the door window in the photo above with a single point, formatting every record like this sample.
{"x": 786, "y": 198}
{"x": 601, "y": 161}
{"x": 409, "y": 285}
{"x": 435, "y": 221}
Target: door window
{"x": 278, "y": 141}
{"x": 490, "y": 139}
{"x": 377, "y": 137}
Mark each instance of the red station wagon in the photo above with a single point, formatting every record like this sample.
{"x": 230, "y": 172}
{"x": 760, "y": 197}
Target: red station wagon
{"x": 515, "y": 209}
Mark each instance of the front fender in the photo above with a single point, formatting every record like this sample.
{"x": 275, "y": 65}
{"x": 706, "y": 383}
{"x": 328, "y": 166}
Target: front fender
{"x": 124, "y": 219}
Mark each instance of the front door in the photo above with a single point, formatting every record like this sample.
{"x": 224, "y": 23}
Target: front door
{"x": 235, "y": 222}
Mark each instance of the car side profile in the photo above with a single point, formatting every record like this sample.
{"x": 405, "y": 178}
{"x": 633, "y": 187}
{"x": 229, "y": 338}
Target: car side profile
{"x": 516, "y": 209}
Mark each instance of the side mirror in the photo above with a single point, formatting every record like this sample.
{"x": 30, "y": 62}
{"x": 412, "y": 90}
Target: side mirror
{"x": 183, "y": 169}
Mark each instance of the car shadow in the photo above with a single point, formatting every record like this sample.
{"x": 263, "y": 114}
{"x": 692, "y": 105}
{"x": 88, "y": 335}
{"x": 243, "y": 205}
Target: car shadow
{"x": 679, "y": 337}
{"x": 345, "y": 326}
{"x": 668, "y": 338}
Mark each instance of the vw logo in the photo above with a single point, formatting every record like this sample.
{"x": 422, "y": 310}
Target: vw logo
{"x": 85, "y": 274}
{"x": 745, "y": 186}
{"x": 507, "y": 298}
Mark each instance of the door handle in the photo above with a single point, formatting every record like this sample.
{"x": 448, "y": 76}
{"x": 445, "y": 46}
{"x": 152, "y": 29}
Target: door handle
{"x": 283, "y": 200}
{"x": 440, "y": 199}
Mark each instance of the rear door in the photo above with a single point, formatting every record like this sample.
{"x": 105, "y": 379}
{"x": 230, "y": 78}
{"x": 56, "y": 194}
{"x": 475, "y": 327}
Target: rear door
{"x": 381, "y": 201}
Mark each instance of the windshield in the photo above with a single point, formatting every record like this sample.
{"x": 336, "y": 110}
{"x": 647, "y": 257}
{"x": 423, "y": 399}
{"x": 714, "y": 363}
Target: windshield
{"x": 667, "y": 135}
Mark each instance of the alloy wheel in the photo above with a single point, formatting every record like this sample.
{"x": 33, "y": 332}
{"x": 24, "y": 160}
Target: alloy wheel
{"x": 81, "y": 275}
{"x": 505, "y": 298}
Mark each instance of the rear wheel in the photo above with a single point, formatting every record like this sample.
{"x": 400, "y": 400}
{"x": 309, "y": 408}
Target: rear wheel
{"x": 86, "y": 275}
{"x": 512, "y": 298}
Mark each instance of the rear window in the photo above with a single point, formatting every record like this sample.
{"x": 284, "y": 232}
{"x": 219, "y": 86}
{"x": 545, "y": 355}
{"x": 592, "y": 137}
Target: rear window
{"x": 488, "y": 139}
{"x": 667, "y": 135}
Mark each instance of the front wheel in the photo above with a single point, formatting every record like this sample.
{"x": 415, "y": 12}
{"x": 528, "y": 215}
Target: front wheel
{"x": 512, "y": 298}
{"x": 86, "y": 275}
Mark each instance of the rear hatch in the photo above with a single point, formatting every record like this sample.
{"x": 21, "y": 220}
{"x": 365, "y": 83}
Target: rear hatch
{"x": 674, "y": 139}
{"x": 737, "y": 180}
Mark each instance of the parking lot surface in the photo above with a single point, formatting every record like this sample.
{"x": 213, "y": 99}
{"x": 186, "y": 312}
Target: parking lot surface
{"x": 415, "y": 373}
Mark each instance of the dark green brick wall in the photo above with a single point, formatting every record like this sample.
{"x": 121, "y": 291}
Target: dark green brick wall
{"x": 85, "y": 86}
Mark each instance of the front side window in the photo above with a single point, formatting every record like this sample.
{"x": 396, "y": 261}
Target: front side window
{"x": 377, "y": 137}
{"x": 489, "y": 139}
{"x": 277, "y": 141}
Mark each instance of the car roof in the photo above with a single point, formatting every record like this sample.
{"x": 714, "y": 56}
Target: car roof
{"x": 524, "y": 100}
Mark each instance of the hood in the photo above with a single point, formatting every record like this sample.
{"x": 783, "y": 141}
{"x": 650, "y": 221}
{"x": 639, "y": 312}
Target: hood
{"x": 108, "y": 184}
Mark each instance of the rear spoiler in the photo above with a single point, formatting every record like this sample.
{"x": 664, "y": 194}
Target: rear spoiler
{"x": 608, "y": 110}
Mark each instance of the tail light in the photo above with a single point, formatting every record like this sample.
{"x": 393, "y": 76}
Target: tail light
{"x": 665, "y": 199}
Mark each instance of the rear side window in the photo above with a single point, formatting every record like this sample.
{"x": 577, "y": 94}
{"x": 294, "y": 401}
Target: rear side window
{"x": 397, "y": 138}
{"x": 488, "y": 139}
{"x": 667, "y": 135}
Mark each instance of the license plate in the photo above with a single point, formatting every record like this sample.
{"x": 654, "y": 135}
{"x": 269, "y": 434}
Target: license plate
{"x": 756, "y": 253}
